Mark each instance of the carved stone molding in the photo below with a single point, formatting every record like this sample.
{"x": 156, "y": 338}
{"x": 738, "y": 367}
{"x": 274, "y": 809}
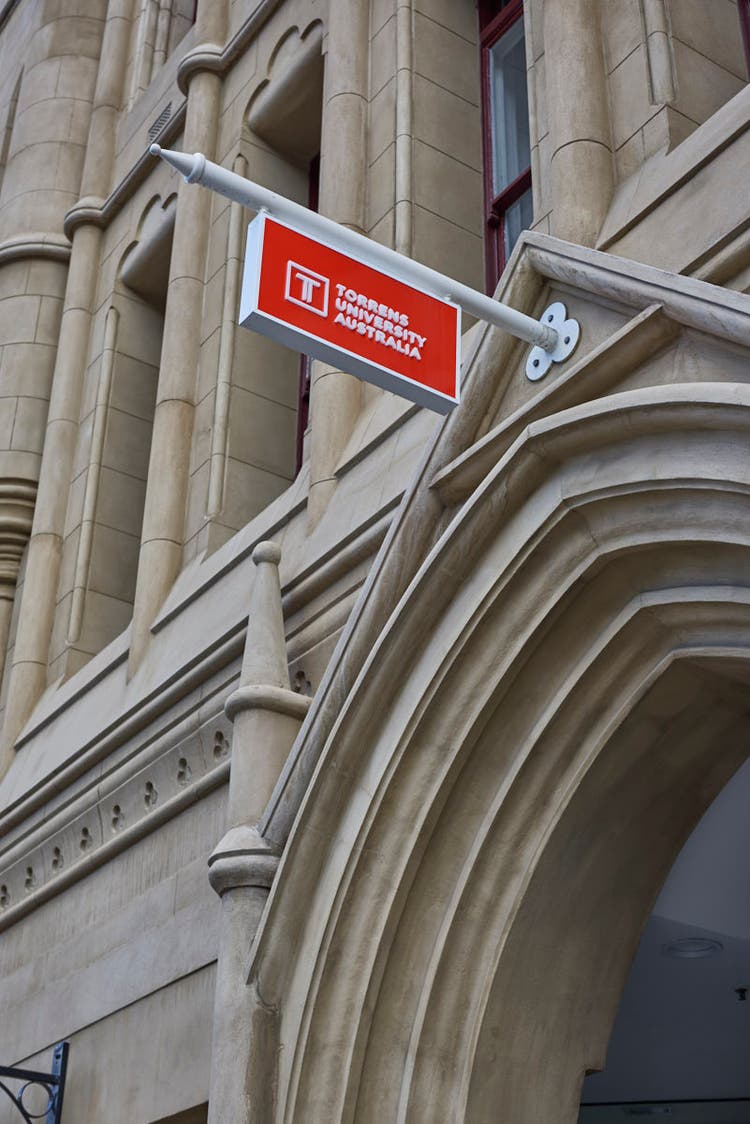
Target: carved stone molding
{"x": 17, "y": 498}
{"x": 262, "y": 697}
{"x": 92, "y": 831}
{"x": 206, "y": 56}
{"x": 100, "y": 212}
{"x": 51, "y": 247}
{"x": 90, "y": 210}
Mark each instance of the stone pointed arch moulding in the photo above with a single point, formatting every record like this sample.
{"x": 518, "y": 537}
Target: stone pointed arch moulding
{"x": 513, "y": 755}
{"x": 550, "y": 709}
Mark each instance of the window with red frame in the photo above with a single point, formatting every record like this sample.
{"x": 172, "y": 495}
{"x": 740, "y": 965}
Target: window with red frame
{"x": 505, "y": 129}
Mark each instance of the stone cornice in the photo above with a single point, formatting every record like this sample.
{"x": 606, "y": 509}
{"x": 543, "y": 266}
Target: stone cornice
{"x": 51, "y": 247}
{"x": 179, "y": 770}
{"x": 722, "y": 313}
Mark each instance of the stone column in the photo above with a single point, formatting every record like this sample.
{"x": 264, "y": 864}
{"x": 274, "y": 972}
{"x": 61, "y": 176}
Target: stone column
{"x": 169, "y": 465}
{"x": 404, "y": 219}
{"x": 662, "y": 81}
{"x": 581, "y": 162}
{"x": 335, "y": 397}
{"x": 29, "y": 670}
{"x": 267, "y": 715}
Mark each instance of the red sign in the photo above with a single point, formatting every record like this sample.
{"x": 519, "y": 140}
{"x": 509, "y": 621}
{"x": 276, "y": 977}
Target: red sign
{"x": 320, "y": 301}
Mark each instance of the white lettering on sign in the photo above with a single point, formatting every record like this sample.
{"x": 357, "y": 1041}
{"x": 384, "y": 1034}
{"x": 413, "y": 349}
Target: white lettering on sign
{"x": 356, "y": 311}
{"x": 306, "y": 288}
{"x": 387, "y": 326}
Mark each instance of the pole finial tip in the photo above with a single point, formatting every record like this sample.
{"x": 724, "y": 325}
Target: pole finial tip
{"x": 155, "y": 149}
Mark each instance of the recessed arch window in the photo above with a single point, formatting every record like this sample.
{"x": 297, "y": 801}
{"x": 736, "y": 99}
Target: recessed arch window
{"x": 505, "y": 127}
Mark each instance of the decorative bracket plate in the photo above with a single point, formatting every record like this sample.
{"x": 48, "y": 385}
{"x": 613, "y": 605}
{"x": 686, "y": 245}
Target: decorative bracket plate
{"x": 568, "y": 334}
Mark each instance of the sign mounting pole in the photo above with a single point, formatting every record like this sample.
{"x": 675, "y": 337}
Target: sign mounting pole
{"x": 553, "y": 337}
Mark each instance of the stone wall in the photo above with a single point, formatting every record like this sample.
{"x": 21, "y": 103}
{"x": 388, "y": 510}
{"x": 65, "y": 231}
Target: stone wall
{"x": 147, "y": 446}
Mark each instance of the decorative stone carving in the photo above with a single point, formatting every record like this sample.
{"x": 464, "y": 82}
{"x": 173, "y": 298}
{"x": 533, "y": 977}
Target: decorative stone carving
{"x": 17, "y": 498}
{"x": 184, "y": 772}
{"x": 221, "y": 746}
{"x": 266, "y": 714}
{"x": 125, "y": 811}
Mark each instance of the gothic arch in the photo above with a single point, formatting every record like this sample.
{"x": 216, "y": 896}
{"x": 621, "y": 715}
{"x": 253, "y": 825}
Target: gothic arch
{"x": 286, "y": 106}
{"x": 553, "y": 703}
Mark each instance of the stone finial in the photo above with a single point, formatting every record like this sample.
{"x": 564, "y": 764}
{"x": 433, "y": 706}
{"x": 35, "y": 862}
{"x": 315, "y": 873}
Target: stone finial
{"x": 264, "y": 662}
{"x": 266, "y": 713}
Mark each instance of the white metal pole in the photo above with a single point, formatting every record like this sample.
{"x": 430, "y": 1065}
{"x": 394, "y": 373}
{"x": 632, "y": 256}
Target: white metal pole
{"x": 197, "y": 169}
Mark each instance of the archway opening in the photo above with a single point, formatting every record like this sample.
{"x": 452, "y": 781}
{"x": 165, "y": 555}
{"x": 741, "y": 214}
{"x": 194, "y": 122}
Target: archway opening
{"x": 679, "y": 1043}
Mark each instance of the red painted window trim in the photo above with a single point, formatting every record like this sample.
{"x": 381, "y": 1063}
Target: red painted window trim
{"x": 493, "y": 24}
{"x": 743, "y": 7}
{"x": 490, "y": 10}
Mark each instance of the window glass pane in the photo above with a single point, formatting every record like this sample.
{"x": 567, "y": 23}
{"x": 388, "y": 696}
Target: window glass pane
{"x": 518, "y": 217}
{"x": 511, "y": 152}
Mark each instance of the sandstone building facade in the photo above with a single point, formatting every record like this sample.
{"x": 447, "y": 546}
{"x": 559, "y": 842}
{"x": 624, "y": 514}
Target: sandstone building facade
{"x": 344, "y": 754}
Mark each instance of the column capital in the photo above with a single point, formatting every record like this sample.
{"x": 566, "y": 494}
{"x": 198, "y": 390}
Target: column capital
{"x": 90, "y": 209}
{"x": 205, "y": 56}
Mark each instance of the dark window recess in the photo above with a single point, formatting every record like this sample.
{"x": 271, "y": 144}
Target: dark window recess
{"x": 303, "y": 396}
{"x": 505, "y": 131}
{"x": 743, "y": 7}
{"x": 490, "y": 9}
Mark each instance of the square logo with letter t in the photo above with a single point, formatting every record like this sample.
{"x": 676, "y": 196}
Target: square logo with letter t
{"x": 307, "y": 288}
